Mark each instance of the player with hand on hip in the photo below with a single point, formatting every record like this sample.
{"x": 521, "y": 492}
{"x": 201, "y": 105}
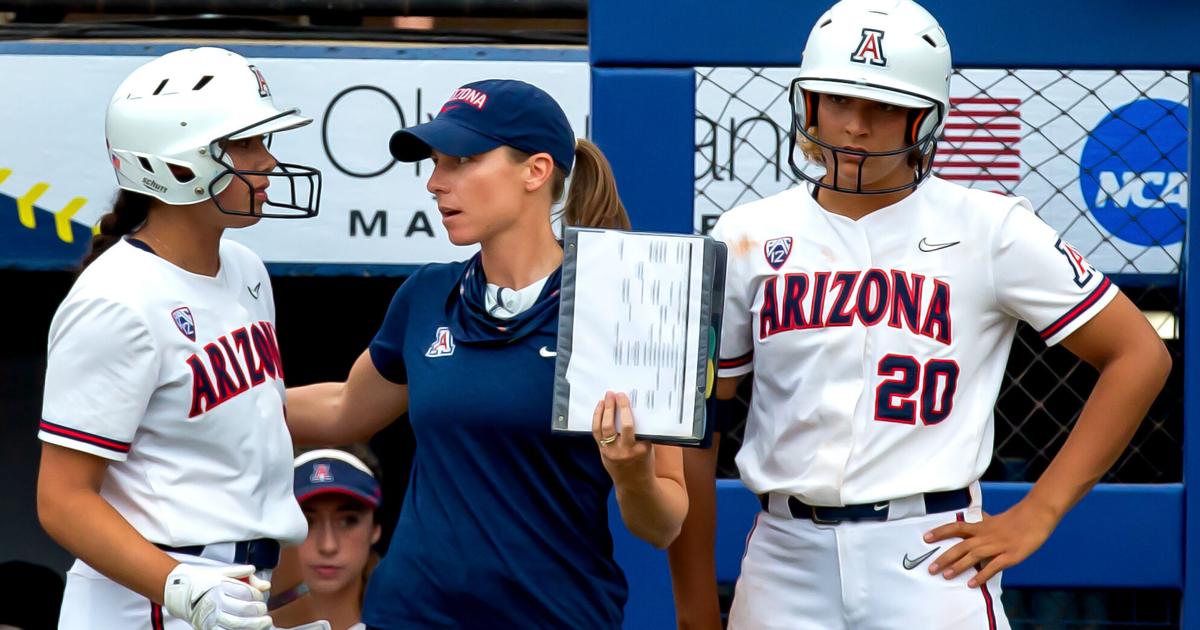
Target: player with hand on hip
{"x": 876, "y": 307}
{"x": 504, "y": 524}
{"x": 166, "y": 462}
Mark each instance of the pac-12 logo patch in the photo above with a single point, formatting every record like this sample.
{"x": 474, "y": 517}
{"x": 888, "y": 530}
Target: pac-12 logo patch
{"x": 777, "y": 251}
{"x": 870, "y": 48}
{"x": 443, "y": 344}
{"x": 185, "y": 322}
{"x": 321, "y": 474}
{"x": 1082, "y": 269}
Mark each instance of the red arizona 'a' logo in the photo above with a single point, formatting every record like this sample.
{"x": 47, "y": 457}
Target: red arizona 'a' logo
{"x": 870, "y": 48}
{"x": 443, "y": 343}
{"x": 321, "y": 474}
{"x": 263, "y": 90}
{"x": 1082, "y": 269}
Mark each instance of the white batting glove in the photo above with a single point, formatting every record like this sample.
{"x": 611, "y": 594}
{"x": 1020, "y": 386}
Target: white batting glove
{"x": 320, "y": 624}
{"x": 225, "y": 598}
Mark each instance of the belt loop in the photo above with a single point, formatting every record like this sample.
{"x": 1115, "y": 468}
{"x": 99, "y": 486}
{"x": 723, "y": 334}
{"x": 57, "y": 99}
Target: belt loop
{"x": 907, "y": 507}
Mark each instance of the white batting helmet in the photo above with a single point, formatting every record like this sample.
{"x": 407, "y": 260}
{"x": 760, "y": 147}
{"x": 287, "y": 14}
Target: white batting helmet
{"x": 177, "y": 110}
{"x": 891, "y": 51}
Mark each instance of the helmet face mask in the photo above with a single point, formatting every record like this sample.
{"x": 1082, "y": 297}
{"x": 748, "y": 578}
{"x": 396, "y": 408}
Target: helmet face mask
{"x": 303, "y": 182}
{"x": 923, "y": 147}
{"x": 889, "y": 51}
{"x": 169, "y": 121}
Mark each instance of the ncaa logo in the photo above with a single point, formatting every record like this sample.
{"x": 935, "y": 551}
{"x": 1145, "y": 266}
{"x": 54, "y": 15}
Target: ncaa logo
{"x": 321, "y": 474}
{"x": 777, "y": 251}
{"x": 1133, "y": 172}
{"x": 185, "y": 322}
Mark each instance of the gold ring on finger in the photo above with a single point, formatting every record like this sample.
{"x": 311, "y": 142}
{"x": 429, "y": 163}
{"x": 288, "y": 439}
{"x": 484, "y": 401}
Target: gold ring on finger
{"x": 608, "y": 440}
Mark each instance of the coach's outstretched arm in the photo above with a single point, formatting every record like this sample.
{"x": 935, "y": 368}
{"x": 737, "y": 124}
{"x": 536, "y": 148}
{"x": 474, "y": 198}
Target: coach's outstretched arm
{"x": 1133, "y": 365}
{"x": 341, "y": 413}
{"x": 648, "y": 478}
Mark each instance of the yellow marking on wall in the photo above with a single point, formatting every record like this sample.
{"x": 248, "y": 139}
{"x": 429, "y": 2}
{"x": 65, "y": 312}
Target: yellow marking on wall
{"x": 62, "y": 219}
{"x": 25, "y": 204}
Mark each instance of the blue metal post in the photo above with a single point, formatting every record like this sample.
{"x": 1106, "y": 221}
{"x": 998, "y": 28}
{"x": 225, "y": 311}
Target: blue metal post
{"x": 1190, "y": 329}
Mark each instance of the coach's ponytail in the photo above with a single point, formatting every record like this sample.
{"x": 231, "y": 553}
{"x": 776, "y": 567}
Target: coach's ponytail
{"x": 592, "y": 200}
{"x": 128, "y": 212}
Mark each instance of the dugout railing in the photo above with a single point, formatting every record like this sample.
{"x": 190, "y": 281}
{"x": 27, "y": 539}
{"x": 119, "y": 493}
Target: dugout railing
{"x": 1080, "y": 106}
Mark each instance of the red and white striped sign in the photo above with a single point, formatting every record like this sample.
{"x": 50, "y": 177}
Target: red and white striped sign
{"x": 980, "y": 143}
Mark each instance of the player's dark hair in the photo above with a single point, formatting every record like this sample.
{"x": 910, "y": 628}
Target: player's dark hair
{"x": 128, "y": 212}
{"x": 592, "y": 200}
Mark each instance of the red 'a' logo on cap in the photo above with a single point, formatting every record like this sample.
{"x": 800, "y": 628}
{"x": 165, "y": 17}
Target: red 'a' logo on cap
{"x": 870, "y": 48}
{"x": 321, "y": 474}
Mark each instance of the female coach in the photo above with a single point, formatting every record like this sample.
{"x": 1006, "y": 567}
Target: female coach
{"x": 504, "y": 525}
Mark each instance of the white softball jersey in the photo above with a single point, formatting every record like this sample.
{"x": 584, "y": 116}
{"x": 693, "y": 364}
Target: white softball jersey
{"x": 176, "y": 378}
{"x": 878, "y": 345}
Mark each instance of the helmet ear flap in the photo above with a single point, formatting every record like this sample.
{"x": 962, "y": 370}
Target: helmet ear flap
{"x": 921, "y": 123}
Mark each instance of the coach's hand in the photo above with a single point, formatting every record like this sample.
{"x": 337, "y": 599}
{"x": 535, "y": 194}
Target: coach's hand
{"x": 217, "y": 597}
{"x": 626, "y": 458}
{"x": 993, "y": 544}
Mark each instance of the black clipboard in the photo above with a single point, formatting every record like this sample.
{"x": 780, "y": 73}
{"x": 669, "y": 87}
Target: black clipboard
{"x": 604, "y": 293}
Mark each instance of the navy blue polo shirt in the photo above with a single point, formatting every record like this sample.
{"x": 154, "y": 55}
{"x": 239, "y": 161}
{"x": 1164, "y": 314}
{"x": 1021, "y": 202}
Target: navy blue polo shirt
{"x": 504, "y": 524}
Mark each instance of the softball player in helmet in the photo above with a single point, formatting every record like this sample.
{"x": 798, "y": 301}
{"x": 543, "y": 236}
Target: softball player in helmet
{"x": 166, "y": 463}
{"x": 875, "y": 308}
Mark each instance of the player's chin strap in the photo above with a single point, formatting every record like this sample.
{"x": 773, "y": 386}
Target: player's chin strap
{"x": 288, "y": 596}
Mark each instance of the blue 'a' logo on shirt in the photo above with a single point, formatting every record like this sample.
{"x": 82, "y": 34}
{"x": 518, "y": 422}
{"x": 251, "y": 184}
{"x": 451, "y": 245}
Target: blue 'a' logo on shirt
{"x": 443, "y": 344}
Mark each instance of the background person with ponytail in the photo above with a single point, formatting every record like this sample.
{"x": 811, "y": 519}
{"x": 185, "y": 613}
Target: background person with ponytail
{"x": 504, "y": 525}
{"x": 166, "y": 464}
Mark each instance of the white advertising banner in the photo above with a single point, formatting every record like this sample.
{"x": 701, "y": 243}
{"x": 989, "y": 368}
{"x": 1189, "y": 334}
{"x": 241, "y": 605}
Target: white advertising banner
{"x": 374, "y": 211}
{"x": 1101, "y": 155}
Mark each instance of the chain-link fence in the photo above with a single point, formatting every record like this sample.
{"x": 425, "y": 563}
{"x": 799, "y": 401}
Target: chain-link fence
{"x": 1102, "y": 157}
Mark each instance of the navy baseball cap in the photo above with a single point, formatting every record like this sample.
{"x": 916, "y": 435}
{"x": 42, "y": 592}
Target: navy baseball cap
{"x": 483, "y": 115}
{"x": 326, "y": 471}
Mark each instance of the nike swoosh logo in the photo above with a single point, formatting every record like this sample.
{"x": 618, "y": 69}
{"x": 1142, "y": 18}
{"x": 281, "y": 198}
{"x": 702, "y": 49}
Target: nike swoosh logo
{"x": 916, "y": 562}
{"x": 926, "y": 246}
{"x": 254, "y": 292}
{"x": 879, "y": 507}
{"x": 547, "y": 352}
